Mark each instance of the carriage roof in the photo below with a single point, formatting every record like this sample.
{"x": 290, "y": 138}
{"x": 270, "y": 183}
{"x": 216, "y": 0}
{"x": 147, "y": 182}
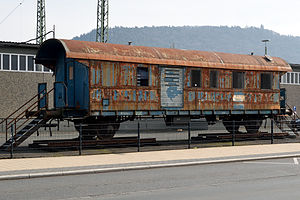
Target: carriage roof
{"x": 49, "y": 52}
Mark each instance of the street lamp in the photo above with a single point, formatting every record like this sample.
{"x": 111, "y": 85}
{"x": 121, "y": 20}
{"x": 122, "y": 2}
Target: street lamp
{"x": 266, "y": 50}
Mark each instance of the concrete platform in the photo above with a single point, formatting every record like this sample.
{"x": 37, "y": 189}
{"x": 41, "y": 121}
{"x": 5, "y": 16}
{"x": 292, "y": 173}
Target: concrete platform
{"x": 58, "y": 166}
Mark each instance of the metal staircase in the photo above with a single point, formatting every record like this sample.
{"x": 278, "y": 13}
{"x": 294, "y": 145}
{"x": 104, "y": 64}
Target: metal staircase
{"x": 27, "y": 119}
{"x": 284, "y": 121}
{"x": 24, "y": 133}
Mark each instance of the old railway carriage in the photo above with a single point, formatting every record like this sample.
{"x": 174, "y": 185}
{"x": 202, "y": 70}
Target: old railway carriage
{"x": 105, "y": 84}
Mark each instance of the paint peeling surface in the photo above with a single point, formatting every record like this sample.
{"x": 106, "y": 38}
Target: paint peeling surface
{"x": 151, "y": 55}
{"x": 132, "y": 79}
{"x": 113, "y": 86}
{"x": 224, "y": 97}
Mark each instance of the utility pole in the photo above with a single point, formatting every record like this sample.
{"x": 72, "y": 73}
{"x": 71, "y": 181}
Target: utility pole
{"x": 41, "y": 22}
{"x": 102, "y": 21}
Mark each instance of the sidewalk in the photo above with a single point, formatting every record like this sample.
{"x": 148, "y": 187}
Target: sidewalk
{"x": 58, "y": 166}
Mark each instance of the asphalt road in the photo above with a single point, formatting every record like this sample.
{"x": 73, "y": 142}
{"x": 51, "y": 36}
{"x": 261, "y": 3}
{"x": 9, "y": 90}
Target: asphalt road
{"x": 269, "y": 179}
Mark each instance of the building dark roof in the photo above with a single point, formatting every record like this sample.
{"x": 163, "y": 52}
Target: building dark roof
{"x": 19, "y": 44}
{"x": 295, "y": 65}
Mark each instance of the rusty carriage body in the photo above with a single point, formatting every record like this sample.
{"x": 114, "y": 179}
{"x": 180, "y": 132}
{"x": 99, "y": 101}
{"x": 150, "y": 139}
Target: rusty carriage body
{"x": 106, "y": 84}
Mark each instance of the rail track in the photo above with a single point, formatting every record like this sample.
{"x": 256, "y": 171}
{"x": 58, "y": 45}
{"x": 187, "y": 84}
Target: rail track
{"x": 74, "y": 143}
{"x": 133, "y": 141}
{"x": 239, "y": 136}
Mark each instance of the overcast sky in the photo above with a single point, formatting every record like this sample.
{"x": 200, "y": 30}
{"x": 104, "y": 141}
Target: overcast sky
{"x": 74, "y": 17}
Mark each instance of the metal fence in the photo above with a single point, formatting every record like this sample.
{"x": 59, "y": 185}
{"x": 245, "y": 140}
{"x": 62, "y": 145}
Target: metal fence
{"x": 144, "y": 134}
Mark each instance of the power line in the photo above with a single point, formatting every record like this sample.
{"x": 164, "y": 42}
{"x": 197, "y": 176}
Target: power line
{"x": 12, "y": 12}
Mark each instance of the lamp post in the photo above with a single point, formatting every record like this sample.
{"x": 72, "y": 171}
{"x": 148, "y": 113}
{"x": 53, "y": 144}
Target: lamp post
{"x": 266, "y": 50}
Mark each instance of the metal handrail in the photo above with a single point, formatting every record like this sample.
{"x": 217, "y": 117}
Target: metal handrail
{"x": 20, "y": 116}
{"x": 20, "y": 107}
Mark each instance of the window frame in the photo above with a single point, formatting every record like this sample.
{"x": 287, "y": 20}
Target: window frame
{"x": 200, "y": 78}
{"x": 4, "y": 55}
{"x": 16, "y": 58}
{"x": 290, "y": 78}
{"x": 10, "y": 55}
{"x": 138, "y": 69}
{"x": 23, "y": 70}
{"x": 233, "y": 80}
{"x": 216, "y": 73}
{"x": 270, "y": 81}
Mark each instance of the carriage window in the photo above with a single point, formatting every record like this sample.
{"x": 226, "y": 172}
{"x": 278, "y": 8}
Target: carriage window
{"x": 238, "y": 79}
{"x": 196, "y": 78}
{"x": 142, "y": 76}
{"x": 71, "y": 73}
{"x": 266, "y": 81}
{"x": 213, "y": 79}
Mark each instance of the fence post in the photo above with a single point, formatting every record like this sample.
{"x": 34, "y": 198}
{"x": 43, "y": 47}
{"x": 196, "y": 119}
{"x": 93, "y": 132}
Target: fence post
{"x": 12, "y": 141}
{"x": 272, "y": 131}
{"x": 233, "y": 132}
{"x": 80, "y": 140}
{"x": 6, "y": 130}
{"x": 189, "y": 135}
{"x": 58, "y": 122}
{"x": 139, "y": 137}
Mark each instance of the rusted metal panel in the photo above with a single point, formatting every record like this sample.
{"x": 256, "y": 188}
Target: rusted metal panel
{"x": 226, "y": 98}
{"x": 252, "y": 80}
{"x": 276, "y": 80}
{"x": 163, "y": 56}
{"x": 124, "y": 99}
{"x": 113, "y": 87}
{"x": 154, "y": 76}
{"x": 116, "y": 84}
{"x": 229, "y": 100}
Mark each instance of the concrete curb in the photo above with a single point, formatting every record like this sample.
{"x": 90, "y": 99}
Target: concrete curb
{"x": 142, "y": 167}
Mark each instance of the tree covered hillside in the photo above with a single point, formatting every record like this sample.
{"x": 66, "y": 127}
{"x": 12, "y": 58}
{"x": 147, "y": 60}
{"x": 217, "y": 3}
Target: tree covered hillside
{"x": 207, "y": 38}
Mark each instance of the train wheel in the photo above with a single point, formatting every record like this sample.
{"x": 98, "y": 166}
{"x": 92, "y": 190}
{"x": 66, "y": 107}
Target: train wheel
{"x": 252, "y": 126}
{"x": 107, "y": 133}
{"x": 92, "y": 128}
{"x": 230, "y": 126}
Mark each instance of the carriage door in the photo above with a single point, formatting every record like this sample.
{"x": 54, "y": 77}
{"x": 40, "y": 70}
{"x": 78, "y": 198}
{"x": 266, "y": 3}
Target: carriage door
{"x": 77, "y": 82}
{"x": 171, "y": 87}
